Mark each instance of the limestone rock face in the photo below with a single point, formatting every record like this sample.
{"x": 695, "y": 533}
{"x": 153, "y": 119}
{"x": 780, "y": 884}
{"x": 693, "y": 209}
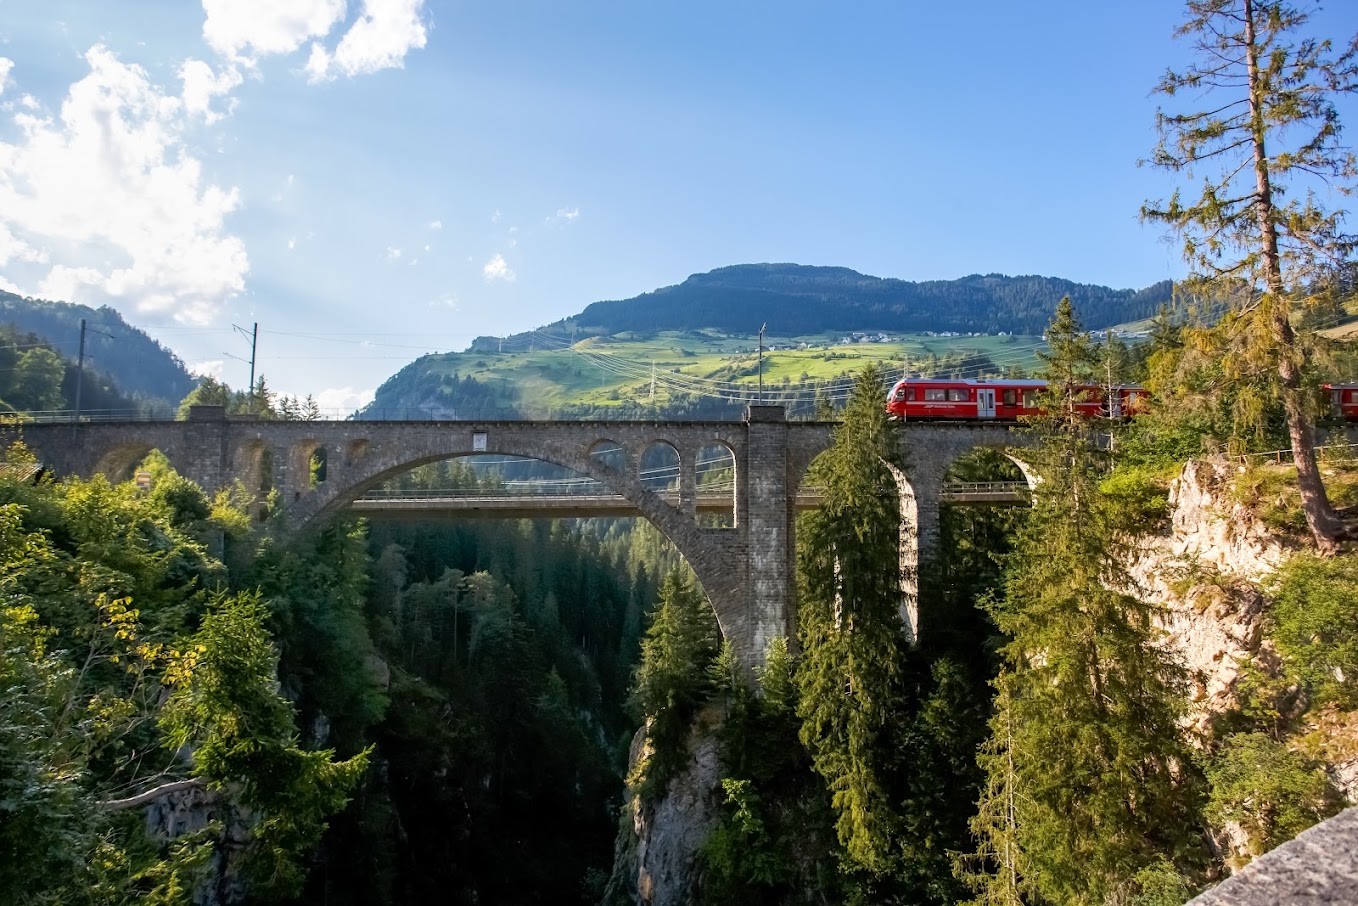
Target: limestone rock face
{"x": 1206, "y": 570}
{"x": 656, "y": 855}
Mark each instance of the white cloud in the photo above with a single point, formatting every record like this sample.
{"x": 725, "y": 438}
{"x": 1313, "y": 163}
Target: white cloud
{"x": 292, "y": 243}
{"x": 109, "y": 196}
{"x": 211, "y": 367}
{"x": 267, "y": 26}
{"x": 393, "y": 254}
{"x": 201, "y": 85}
{"x": 497, "y": 269}
{"x": 5, "y": 67}
{"x": 379, "y": 39}
{"x": 343, "y": 399}
{"x": 436, "y": 224}
{"x": 495, "y": 218}
{"x": 562, "y": 217}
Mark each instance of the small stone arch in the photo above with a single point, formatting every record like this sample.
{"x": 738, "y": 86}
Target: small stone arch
{"x": 356, "y": 452}
{"x": 254, "y": 465}
{"x": 116, "y": 463}
{"x": 318, "y": 466}
{"x": 659, "y": 470}
{"x": 714, "y": 472}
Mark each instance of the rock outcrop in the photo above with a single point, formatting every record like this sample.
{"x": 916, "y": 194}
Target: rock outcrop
{"x": 656, "y": 858}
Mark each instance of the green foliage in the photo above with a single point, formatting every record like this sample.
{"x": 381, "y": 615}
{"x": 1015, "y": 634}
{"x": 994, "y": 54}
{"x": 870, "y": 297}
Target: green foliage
{"x": 1088, "y": 780}
{"x": 673, "y": 679}
{"x": 1161, "y": 884}
{"x": 1254, "y": 236}
{"x": 1315, "y": 617}
{"x": 1140, "y": 496}
{"x": 1270, "y": 791}
{"x": 849, "y": 623}
{"x": 115, "y": 680}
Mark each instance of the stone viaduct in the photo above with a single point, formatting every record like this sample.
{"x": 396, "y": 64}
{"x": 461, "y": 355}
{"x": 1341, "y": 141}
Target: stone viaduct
{"x": 747, "y": 570}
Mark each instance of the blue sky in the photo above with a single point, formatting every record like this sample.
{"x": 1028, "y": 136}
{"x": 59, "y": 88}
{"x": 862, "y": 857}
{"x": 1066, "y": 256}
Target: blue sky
{"x": 374, "y": 179}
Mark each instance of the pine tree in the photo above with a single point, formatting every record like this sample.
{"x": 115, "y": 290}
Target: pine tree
{"x": 1088, "y": 780}
{"x": 849, "y": 622}
{"x": 673, "y": 678}
{"x": 1277, "y": 128}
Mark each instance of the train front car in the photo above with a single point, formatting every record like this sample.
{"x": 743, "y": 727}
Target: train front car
{"x": 1343, "y": 401}
{"x": 1003, "y": 400}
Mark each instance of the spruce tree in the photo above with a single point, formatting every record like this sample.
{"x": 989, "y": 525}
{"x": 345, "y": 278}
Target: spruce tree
{"x": 673, "y": 678}
{"x": 1270, "y": 125}
{"x": 849, "y": 622}
{"x": 1088, "y": 780}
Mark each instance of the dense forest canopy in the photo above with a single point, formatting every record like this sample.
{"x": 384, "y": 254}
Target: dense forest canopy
{"x": 137, "y": 364}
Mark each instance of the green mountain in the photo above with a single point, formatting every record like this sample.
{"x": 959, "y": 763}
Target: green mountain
{"x": 137, "y": 364}
{"x": 796, "y": 300}
{"x": 690, "y": 350}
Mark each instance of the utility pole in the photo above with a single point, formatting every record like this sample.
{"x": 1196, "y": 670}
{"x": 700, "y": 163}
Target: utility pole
{"x": 80, "y": 367}
{"x": 254, "y": 341}
{"x": 761, "y": 361}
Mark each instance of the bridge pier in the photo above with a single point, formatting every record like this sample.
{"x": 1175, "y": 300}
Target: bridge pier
{"x": 768, "y": 527}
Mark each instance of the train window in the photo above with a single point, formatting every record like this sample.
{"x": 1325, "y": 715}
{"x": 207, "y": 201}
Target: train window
{"x": 910, "y": 393}
{"x": 1029, "y": 399}
{"x": 1353, "y": 396}
{"x": 1010, "y": 397}
{"x": 957, "y": 396}
{"x": 935, "y": 393}
{"x": 900, "y": 393}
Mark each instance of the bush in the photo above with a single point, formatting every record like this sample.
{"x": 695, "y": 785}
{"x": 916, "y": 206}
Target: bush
{"x": 1315, "y": 614}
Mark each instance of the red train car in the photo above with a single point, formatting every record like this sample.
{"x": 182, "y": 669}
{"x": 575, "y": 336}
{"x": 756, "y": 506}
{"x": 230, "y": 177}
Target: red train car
{"x": 914, "y": 399}
{"x": 1344, "y": 400}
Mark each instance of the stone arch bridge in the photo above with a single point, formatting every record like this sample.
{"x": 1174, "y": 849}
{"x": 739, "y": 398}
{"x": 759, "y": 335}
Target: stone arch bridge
{"x": 747, "y": 570}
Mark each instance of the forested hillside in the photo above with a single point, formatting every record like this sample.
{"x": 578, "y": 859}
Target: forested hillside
{"x": 35, "y": 377}
{"x": 137, "y": 364}
{"x": 797, "y": 300}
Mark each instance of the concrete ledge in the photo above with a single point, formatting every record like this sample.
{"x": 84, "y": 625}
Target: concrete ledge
{"x": 1319, "y": 867}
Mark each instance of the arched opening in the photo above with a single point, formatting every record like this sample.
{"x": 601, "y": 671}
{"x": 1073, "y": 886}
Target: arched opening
{"x": 119, "y": 463}
{"x": 896, "y": 496}
{"x": 659, "y": 471}
{"x": 316, "y": 467}
{"x": 256, "y": 466}
{"x": 715, "y": 477}
{"x": 491, "y": 601}
{"x": 982, "y": 505}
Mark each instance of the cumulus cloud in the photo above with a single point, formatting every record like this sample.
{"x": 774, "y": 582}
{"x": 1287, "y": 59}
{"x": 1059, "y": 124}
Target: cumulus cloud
{"x": 106, "y": 204}
{"x": 210, "y": 368}
{"x": 202, "y": 85}
{"x": 343, "y": 399}
{"x": 436, "y": 224}
{"x": 236, "y": 28}
{"x": 393, "y": 253}
{"x": 379, "y": 39}
{"x": 497, "y": 269}
{"x": 5, "y": 67}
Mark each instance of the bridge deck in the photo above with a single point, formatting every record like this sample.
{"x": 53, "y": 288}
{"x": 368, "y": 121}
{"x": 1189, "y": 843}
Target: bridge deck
{"x": 473, "y": 504}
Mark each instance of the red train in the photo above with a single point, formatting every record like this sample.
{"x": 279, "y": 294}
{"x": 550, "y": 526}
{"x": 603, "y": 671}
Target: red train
{"x": 921, "y": 399}
{"x": 1344, "y": 400}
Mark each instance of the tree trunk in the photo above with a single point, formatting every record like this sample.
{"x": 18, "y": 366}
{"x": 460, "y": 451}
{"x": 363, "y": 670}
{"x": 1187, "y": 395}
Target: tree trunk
{"x": 1321, "y": 518}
